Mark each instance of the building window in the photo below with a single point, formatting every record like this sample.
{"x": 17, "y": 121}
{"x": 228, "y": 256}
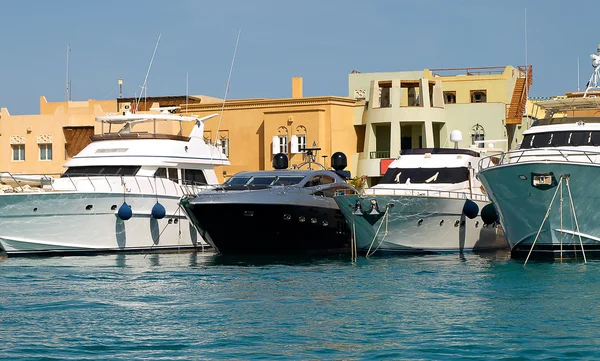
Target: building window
{"x": 450, "y": 97}
{"x": 18, "y": 152}
{"x": 301, "y": 142}
{"x": 384, "y": 91}
{"x": 224, "y": 145}
{"x": 478, "y": 136}
{"x": 478, "y": 96}
{"x": 45, "y": 151}
{"x": 283, "y": 144}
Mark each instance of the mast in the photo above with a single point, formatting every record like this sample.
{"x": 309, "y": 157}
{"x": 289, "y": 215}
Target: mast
{"x": 67, "y": 82}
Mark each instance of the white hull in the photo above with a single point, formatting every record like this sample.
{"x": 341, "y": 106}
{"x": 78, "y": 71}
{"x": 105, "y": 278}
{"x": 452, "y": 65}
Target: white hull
{"x": 417, "y": 224}
{"x": 63, "y": 222}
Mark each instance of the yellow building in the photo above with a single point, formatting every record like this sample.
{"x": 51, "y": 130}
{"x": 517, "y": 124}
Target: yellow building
{"x": 251, "y": 131}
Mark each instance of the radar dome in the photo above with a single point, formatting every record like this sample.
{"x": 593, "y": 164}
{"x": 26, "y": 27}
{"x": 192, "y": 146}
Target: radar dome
{"x": 280, "y": 161}
{"x": 339, "y": 161}
{"x": 456, "y": 136}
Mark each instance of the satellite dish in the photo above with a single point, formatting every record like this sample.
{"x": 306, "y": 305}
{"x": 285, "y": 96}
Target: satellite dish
{"x": 456, "y": 137}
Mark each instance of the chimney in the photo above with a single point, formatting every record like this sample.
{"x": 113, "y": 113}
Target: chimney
{"x": 297, "y": 87}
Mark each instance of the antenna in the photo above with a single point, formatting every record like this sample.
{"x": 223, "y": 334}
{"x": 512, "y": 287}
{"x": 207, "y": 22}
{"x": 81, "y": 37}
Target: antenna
{"x": 120, "y": 87}
{"x": 67, "y": 83}
{"x": 187, "y": 90}
{"x": 137, "y": 103}
{"x": 227, "y": 86}
{"x": 526, "y": 60}
{"x": 578, "y": 74}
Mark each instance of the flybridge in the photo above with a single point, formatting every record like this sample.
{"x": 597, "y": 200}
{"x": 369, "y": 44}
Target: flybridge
{"x": 129, "y": 120}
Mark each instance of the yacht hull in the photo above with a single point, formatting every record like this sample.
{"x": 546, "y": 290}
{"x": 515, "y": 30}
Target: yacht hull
{"x": 61, "y": 223}
{"x": 417, "y": 224}
{"x": 523, "y": 206}
{"x": 269, "y": 223}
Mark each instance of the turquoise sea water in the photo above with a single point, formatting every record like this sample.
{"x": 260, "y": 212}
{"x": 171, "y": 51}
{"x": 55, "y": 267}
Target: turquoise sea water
{"x": 209, "y": 307}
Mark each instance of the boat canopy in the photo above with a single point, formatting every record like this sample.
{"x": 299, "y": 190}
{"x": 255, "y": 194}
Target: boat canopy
{"x": 141, "y": 118}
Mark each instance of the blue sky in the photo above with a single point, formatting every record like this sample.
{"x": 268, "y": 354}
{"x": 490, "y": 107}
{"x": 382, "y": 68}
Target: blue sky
{"x": 322, "y": 41}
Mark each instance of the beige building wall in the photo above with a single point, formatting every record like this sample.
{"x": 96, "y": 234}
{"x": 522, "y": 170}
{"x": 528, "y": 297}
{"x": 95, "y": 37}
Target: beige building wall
{"x": 249, "y": 126}
{"x": 56, "y": 122}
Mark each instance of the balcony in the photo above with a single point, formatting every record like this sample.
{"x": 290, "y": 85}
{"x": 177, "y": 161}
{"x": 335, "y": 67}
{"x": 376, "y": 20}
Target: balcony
{"x": 380, "y": 154}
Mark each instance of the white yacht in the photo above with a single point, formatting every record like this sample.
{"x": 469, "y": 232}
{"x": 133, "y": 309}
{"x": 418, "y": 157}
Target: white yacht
{"x": 120, "y": 193}
{"x": 544, "y": 192}
{"x": 429, "y": 200}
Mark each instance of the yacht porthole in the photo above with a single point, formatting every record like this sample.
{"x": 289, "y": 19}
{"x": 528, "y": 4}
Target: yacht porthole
{"x": 441, "y": 222}
{"x": 477, "y": 224}
{"x": 89, "y": 207}
{"x": 35, "y": 209}
{"x": 456, "y": 223}
{"x": 325, "y": 223}
{"x": 170, "y": 220}
{"x": 420, "y": 223}
{"x": 287, "y": 217}
{"x": 313, "y": 220}
{"x": 113, "y": 207}
{"x": 301, "y": 219}
{"x": 176, "y": 221}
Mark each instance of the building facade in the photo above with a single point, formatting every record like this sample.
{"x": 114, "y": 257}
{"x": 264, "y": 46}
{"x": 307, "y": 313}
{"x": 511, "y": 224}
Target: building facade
{"x": 41, "y": 143}
{"x": 419, "y": 109}
{"x": 251, "y": 131}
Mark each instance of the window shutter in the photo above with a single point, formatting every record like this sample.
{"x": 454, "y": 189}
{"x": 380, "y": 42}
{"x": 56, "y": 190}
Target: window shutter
{"x": 275, "y": 144}
{"x": 294, "y": 144}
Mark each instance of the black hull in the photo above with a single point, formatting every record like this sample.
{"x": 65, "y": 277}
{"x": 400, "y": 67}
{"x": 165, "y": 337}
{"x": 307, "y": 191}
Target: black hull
{"x": 553, "y": 252}
{"x": 271, "y": 229}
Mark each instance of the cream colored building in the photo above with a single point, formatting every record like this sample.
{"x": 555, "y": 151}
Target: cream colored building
{"x": 419, "y": 109}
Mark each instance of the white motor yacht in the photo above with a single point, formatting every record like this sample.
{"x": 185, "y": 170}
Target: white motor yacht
{"x": 429, "y": 200}
{"x": 120, "y": 193}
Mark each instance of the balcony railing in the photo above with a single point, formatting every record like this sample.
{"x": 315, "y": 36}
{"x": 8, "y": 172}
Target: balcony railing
{"x": 380, "y": 154}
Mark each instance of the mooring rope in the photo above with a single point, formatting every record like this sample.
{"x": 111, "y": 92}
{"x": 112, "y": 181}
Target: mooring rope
{"x": 576, "y": 223}
{"x": 386, "y": 217}
{"x": 543, "y": 221}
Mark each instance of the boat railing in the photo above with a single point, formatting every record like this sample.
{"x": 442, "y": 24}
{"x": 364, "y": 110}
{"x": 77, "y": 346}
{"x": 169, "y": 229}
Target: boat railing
{"x": 540, "y": 154}
{"x": 425, "y": 192}
{"x": 100, "y": 183}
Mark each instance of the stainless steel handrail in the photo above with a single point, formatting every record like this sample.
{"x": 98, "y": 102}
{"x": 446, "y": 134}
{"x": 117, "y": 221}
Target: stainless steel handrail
{"x": 538, "y": 154}
{"x": 126, "y": 183}
{"x": 424, "y": 192}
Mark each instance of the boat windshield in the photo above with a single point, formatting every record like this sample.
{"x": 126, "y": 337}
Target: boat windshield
{"x": 563, "y": 138}
{"x": 425, "y": 175}
{"x": 263, "y": 180}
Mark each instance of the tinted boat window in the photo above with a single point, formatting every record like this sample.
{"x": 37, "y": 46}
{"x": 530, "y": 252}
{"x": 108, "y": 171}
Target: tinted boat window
{"x": 561, "y": 139}
{"x": 286, "y": 181}
{"x": 194, "y": 176}
{"x": 265, "y": 181}
{"x": 237, "y": 181}
{"x": 541, "y": 140}
{"x": 425, "y": 175}
{"x": 101, "y": 170}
